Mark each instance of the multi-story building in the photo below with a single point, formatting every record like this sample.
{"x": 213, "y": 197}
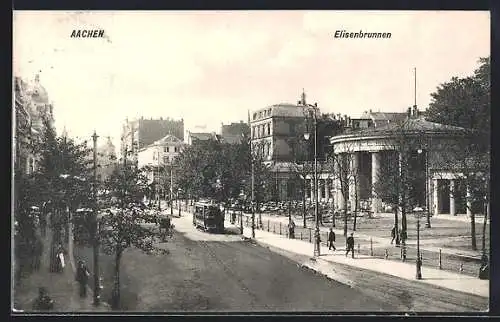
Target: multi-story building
{"x": 193, "y": 138}
{"x": 158, "y": 155}
{"x": 233, "y": 133}
{"x": 139, "y": 133}
{"x": 32, "y": 106}
{"x": 277, "y": 133}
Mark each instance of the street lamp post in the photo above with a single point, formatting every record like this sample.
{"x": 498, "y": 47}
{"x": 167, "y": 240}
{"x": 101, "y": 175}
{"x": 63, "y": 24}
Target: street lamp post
{"x": 332, "y": 192}
{"x": 312, "y": 110}
{"x": 428, "y": 214}
{"x": 418, "y": 262}
{"x": 95, "y": 224}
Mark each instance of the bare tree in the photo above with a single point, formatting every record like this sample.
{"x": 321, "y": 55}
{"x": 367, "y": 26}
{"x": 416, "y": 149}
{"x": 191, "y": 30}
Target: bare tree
{"x": 341, "y": 166}
{"x": 402, "y": 178}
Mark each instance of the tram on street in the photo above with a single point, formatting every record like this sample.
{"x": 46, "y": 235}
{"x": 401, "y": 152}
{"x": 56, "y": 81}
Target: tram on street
{"x": 208, "y": 216}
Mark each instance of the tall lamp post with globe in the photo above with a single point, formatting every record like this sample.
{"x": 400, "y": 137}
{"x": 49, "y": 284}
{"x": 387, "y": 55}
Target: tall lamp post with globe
{"x": 313, "y": 109}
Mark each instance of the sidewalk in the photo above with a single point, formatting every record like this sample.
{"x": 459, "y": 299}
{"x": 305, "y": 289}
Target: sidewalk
{"x": 61, "y": 287}
{"x": 381, "y": 240}
{"x": 479, "y": 218}
{"x": 435, "y": 277}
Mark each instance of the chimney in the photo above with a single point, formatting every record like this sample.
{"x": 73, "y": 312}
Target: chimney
{"x": 408, "y": 111}
{"x": 315, "y": 104}
{"x": 415, "y": 111}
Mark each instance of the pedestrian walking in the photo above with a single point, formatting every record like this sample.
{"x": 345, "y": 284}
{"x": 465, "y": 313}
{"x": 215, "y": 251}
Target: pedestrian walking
{"x": 60, "y": 262}
{"x": 331, "y": 239}
{"x": 402, "y": 235}
{"x": 291, "y": 229}
{"x": 350, "y": 245}
{"x": 393, "y": 234}
{"x": 82, "y": 277}
{"x": 43, "y": 302}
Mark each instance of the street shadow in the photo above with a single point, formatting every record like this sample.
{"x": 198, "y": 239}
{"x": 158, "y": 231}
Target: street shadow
{"x": 440, "y": 278}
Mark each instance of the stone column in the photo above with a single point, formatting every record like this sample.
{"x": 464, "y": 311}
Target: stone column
{"x": 435, "y": 197}
{"x": 339, "y": 202}
{"x": 376, "y": 202}
{"x": 353, "y": 186}
{"x": 452, "y": 197}
{"x": 468, "y": 198}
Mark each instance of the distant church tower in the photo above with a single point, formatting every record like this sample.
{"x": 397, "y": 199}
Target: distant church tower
{"x": 302, "y": 100}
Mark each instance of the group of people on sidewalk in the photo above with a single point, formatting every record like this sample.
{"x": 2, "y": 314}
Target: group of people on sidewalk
{"x": 331, "y": 239}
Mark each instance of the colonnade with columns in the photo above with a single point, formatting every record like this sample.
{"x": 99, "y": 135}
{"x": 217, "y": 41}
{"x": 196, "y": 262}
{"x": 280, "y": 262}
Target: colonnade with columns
{"x": 325, "y": 186}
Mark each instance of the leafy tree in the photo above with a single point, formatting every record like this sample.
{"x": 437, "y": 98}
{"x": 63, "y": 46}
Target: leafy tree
{"x": 464, "y": 102}
{"x": 122, "y": 225}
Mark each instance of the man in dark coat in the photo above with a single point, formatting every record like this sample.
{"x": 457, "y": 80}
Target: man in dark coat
{"x": 331, "y": 239}
{"x": 82, "y": 277}
{"x": 291, "y": 229}
{"x": 393, "y": 234}
{"x": 350, "y": 245}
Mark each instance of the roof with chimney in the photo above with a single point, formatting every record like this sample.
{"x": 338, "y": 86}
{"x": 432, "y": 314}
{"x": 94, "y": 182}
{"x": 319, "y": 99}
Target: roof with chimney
{"x": 283, "y": 110}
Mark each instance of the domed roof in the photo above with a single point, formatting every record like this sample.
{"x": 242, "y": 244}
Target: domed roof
{"x": 38, "y": 93}
{"x": 409, "y": 126}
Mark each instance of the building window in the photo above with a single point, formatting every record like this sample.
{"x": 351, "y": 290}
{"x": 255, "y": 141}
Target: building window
{"x": 164, "y": 149}
{"x": 268, "y": 128}
{"x": 175, "y": 149}
{"x": 254, "y": 116}
{"x": 165, "y": 159}
{"x": 168, "y": 149}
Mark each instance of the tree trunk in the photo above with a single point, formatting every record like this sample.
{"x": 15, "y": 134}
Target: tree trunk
{"x": 486, "y": 208}
{"x": 396, "y": 224}
{"x": 304, "y": 208}
{"x": 355, "y": 208}
{"x": 404, "y": 225}
{"x": 345, "y": 216}
{"x": 116, "y": 287}
{"x": 473, "y": 231}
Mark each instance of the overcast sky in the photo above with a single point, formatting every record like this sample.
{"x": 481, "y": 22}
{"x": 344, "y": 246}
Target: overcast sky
{"x": 212, "y": 67}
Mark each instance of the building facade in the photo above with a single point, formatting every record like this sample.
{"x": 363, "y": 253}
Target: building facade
{"x": 233, "y": 133}
{"x": 193, "y": 138}
{"x": 139, "y": 133}
{"x": 31, "y": 107}
{"x": 106, "y": 159}
{"x": 159, "y": 154}
{"x": 278, "y": 134}
{"x": 366, "y": 151}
